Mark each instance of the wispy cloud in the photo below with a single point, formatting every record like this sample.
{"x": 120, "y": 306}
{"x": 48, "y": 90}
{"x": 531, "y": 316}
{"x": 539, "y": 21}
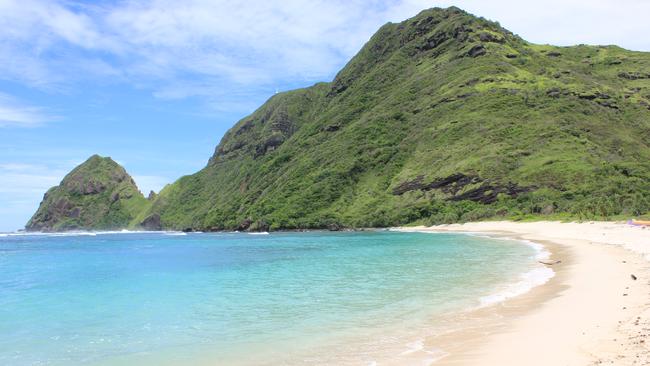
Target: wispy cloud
{"x": 20, "y": 178}
{"x": 21, "y": 188}
{"x": 15, "y": 113}
{"x": 161, "y": 44}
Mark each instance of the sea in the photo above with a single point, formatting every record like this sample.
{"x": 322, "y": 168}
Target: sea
{"x": 312, "y": 298}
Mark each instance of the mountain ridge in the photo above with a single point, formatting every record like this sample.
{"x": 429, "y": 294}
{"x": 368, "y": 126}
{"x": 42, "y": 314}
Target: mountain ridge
{"x": 444, "y": 117}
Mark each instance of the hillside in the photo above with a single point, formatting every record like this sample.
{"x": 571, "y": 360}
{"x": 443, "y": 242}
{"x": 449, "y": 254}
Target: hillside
{"x": 443, "y": 117}
{"x": 97, "y": 195}
{"x": 440, "y": 118}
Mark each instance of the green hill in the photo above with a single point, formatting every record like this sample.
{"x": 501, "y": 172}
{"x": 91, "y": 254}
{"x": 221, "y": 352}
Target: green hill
{"x": 444, "y": 117}
{"x": 96, "y": 195}
{"x": 440, "y": 118}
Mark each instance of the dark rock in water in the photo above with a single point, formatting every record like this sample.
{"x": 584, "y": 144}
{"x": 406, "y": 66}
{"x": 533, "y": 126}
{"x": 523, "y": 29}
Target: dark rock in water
{"x": 259, "y": 226}
{"x": 334, "y": 227}
{"x": 244, "y": 225}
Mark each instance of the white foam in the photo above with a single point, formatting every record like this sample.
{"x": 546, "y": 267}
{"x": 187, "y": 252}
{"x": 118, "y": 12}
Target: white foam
{"x": 537, "y": 276}
{"x": 432, "y": 355}
{"x": 529, "y": 280}
{"x": 414, "y": 347}
{"x": 175, "y": 233}
{"x": 81, "y": 233}
{"x": 87, "y": 233}
{"x": 260, "y": 233}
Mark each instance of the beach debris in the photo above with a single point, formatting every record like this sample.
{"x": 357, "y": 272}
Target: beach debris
{"x": 550, "y": 262}
{"x": 633, "y": 277}
{"x": 642, "y": 223}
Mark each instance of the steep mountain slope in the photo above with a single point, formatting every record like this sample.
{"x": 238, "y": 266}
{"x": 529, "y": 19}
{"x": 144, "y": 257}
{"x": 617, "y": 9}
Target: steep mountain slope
{"x": 98, "y": 194}
{"x": 442, "y": 117}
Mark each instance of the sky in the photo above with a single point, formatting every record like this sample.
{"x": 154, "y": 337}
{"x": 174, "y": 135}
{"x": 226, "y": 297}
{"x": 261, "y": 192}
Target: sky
{"x": 155, "y": 84}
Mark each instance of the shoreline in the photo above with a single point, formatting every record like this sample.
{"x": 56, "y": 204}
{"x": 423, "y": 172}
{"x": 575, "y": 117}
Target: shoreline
{"x": 590, "y": 312}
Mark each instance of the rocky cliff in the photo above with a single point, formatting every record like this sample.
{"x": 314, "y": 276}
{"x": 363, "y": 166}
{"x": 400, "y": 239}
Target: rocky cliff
{"x": 97, "y": 195}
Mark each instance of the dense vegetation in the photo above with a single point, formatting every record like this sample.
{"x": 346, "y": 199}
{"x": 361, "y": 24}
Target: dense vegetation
{"x": 97, "y": 194}
{"x": 444, "y": 117}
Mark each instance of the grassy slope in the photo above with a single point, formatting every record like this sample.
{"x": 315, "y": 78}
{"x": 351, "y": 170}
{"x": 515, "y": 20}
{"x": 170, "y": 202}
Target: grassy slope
{"x": 569, "y": 125}
{"x": 79, "y": 203}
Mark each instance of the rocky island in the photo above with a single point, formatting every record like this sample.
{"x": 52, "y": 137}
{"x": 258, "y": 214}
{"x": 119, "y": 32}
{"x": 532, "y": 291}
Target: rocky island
{"x": 97, "y": 195}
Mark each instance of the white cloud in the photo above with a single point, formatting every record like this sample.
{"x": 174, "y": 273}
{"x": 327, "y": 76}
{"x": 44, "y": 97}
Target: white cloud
{"x": 21, "y": 188}
{"x": 28, "y": 178}
{"x": 161, "y": 44}
{"x": 14, "y": 113}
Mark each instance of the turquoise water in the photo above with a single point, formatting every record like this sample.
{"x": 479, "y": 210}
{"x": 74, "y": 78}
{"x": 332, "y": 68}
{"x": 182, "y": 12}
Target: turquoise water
{"x": 215, "y": 299}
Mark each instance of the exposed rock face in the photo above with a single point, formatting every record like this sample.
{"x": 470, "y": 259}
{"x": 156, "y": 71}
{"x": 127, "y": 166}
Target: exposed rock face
{"x": 152, "y": 223}
{"x": 461, "y": 187}
{"x": 634, "y": 75}
{"x": 97, "y": 195}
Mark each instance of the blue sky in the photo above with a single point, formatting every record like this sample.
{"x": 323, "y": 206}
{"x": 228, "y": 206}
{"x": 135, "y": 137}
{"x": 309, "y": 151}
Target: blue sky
{"x": 155, "y": 84}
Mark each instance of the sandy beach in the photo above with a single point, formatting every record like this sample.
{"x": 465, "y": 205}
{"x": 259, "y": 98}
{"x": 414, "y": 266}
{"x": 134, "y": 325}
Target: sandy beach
{"x": 592, "y": 312}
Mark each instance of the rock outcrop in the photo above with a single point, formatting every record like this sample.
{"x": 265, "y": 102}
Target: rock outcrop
{"x": 97, "y": 195}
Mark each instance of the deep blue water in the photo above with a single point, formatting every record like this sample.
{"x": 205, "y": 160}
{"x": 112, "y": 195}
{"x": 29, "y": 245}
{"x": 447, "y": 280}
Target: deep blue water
{"x": 214, "y": 299}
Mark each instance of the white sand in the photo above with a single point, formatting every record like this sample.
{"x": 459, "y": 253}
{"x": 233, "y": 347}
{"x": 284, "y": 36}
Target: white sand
{"x": 592, "y": 312}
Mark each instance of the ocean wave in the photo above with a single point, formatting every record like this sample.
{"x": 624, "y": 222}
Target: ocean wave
{"x": 433, "y": 354}
{"x": 82, "y": 233}
{"x": 174, "y": 233}
{"x": 260, "y": 233}
{"x": 527, "y": 281}
{"x": 537, "y": 276}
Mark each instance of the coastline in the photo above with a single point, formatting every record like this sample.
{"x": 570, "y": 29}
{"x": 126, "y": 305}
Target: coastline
{"x": 590, "y": 312}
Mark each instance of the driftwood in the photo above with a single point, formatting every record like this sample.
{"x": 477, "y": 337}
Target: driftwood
{"x": 550, "y": 263}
